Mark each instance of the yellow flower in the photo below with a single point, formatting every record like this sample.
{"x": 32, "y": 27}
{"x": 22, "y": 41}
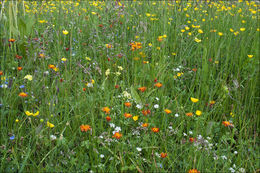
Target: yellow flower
{"x": 29, "y": 77}
{"x": 42, "y": 21}
{"x": 64, "y": 59}
{"x": 187, "y": 28}
{"x": 231, "y": 30}
{"x": 35, "y": 114}
{"x": 94, "y": 13}
{"x": 164, "y": 36}
{"x": 28, "y": 113}
{"x": 87, "y": 58}
{"x": 250, "y": 56}
{"x": 65, "y": 32}
{"x": 194, "y": 100}
{"x": 183, "y": 30}
{"x": 150, "y": 45}
{"x": 17, "y": 120}
{"x": 50, "y": 124}
{"x": 200, "y": 31}
{"x": 197, "y": 40}
{"x": 242, "y": 29}
{"x": 220, "y": 33}
{"x": 198, "y": 112}
{"x": 135, "y": 118}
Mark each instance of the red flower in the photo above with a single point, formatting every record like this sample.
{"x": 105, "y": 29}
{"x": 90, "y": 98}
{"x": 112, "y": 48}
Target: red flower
{"x": 85, "y": 128}
{"x": 108, "y": 118}
{"x": 163, "y": 155}
{"x": 155, "y": 129}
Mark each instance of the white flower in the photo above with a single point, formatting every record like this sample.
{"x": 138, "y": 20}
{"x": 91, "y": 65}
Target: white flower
{"x": 156, "y": 106}
{"x": 46, "y": 72}
{"x": 117, "y": 129}
{"x": 176, "y": 115}
{"x": 126, "y": 94}
{"x": 118, "y": 73}
{"x": 170, "y": 127}
{"x": 242, "y": 170}
{"x": 120, "y": 67}
{"x": 28, "y": 77}
{"x": 190, "y": 132}
{"x": 199, "y": 137}
{"x": 53, "y": 137}
{"x": 139, "y": 149}
{"x": 112, "y": 125}
{"x": 90, "y": 85}
{"x": 184, "y": 134}
{"x": 224, "y": 157}
{"x": 232, "y": 170}
{"x": 235, "y": 152}
{"x": 102, "y": 156}
{"x": 139, "y": 106}
{"x": 107, "y": 72}
{"x": 157, "y": 98}
{"x": 4, "y": 86}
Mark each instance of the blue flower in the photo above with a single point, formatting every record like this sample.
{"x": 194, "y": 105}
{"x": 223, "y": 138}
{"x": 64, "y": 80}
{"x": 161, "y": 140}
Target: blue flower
{"x": 22, "y": 86}
{"x": 12, "y": 137}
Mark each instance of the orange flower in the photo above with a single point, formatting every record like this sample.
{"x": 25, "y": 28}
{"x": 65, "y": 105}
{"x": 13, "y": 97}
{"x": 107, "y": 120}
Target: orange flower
{"x": 11, "y": 40}
{"x": 155, "y": 129}
{"x": 117, "y": 135}
{"x": 227, "y": 124}
{"x": 194, "y": 171}
{"x": 109, "y": 46}
{"x": 192, "y": 139}
{"x": 163, "y": 155}
{"x": 158, "y": 85}
{"x": 189, "y": 114}
{"x": 194, "y": 69}
{"x": 135, "y": 45}
{"x": 19, "y": 68}
{"x": 85, "y": 128}
{"x": 145, "y": 112}
{"x": 142, "y": 89}
{"x": 145, "y": 125}
{"x": 1, "y": 72}
{"x": 167, "y": 111}
{"x": 23, "y": 94}
{"x": 108, "y": 118}
{"x": 51, "y": 66}
{"x": 127, "y": 115}
{"x": 127, "y": 104}
{"x": 18, "y": 57}
{"x": 106, "y": 110}
{"x": 84, "y": 89}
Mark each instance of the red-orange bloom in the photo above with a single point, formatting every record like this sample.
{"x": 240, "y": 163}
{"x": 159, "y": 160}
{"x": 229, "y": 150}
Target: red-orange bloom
{"x": 145, "y": 112}
{"x": 158, "y": 85}
{"x": 85, "y": 128}
{"x": 192, "y": 139}
{"x": 127, "y": 104}
{"x": 227, "y": 124}
{"x": 189, "y": 114}
{"x": 145, "y": 125}
{"x": 84, "y": 89}
{"x": 127, "y": 115}
{"x": 117, "y": 135}
{"x": 1, "y": 73}
{"x": 18, "y": 57}
{"x": 106, "y": 110}
{"x": 142, "y": 89}
{"x": 108, "y": 118}
{"x": 163, "y": 155}
{"x": 194, "y": 171}
{"x": 23, "y": 94}
{"x": 19, "y": 68}
{"x": 155, "y": 129}
{"x": 11, "y": 40}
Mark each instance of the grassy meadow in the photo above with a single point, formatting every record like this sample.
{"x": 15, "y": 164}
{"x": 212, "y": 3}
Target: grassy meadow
{"x": 129, "y": 86}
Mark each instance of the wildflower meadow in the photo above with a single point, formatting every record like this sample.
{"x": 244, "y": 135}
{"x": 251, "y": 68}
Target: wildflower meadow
{"x": 129, "y": 86}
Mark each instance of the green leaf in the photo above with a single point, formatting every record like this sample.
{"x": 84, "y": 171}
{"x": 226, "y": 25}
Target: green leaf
{"x": 135, "y": 95}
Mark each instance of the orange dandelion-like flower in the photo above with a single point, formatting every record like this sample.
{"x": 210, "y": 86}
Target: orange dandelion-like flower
{"x": 189, "y": 114}
{"x": 11, "y": 40}
{"x": 117, "y": 135}
{"x": 127, "y": 115}
{"x": 106, "y": 110}
{"x": 108, "y": 118}
{"x": 142, "y": 89}
{"x": 127, "y": 104}
{"x": 146, "y": 112}
{"x": 194, "y": 171}
{"x": 163, "y": 155}
{"x": 19, "y": 68}
{"x": 145, "y": 125}
{"x": 135, "y": 45}
{"x": 155, "y": 129}
{"x": 1, "y": 73}
{"x": 227, "y": 124}
{"x": 23, "y": 94}
{"x": 167, "y": 111}
{"x": 109, "y": 46}
{"x": 85, "y": 128}
{"x": 158, "y": 85}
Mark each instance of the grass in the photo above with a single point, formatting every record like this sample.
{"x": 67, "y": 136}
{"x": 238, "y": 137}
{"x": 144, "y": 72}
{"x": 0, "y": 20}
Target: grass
{"x": 73, "y": 59}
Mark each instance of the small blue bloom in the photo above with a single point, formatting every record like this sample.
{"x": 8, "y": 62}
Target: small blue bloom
{"x": 12, "y": 137}
{"x": 22, "y": 86}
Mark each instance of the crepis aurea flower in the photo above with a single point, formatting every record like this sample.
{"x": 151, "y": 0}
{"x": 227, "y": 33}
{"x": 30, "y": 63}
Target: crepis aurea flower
{"x": 85, "y": 128}
{"x": 194, "y": 171}
{"x": 155, "y": 129}
{"x": 127, "y": 115}
{"x": 167, "y": 111}
{"x": 158, "y": 85}
{"x": 127, "y": 104}
{"x": 142, "y": 89}
{"x": 117, "y": 135}
{"x": 227, "y": 124}
{"x": 163, "y": 155}
{"x": 106, "y": 110}
{"x": 23, "y": 94}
